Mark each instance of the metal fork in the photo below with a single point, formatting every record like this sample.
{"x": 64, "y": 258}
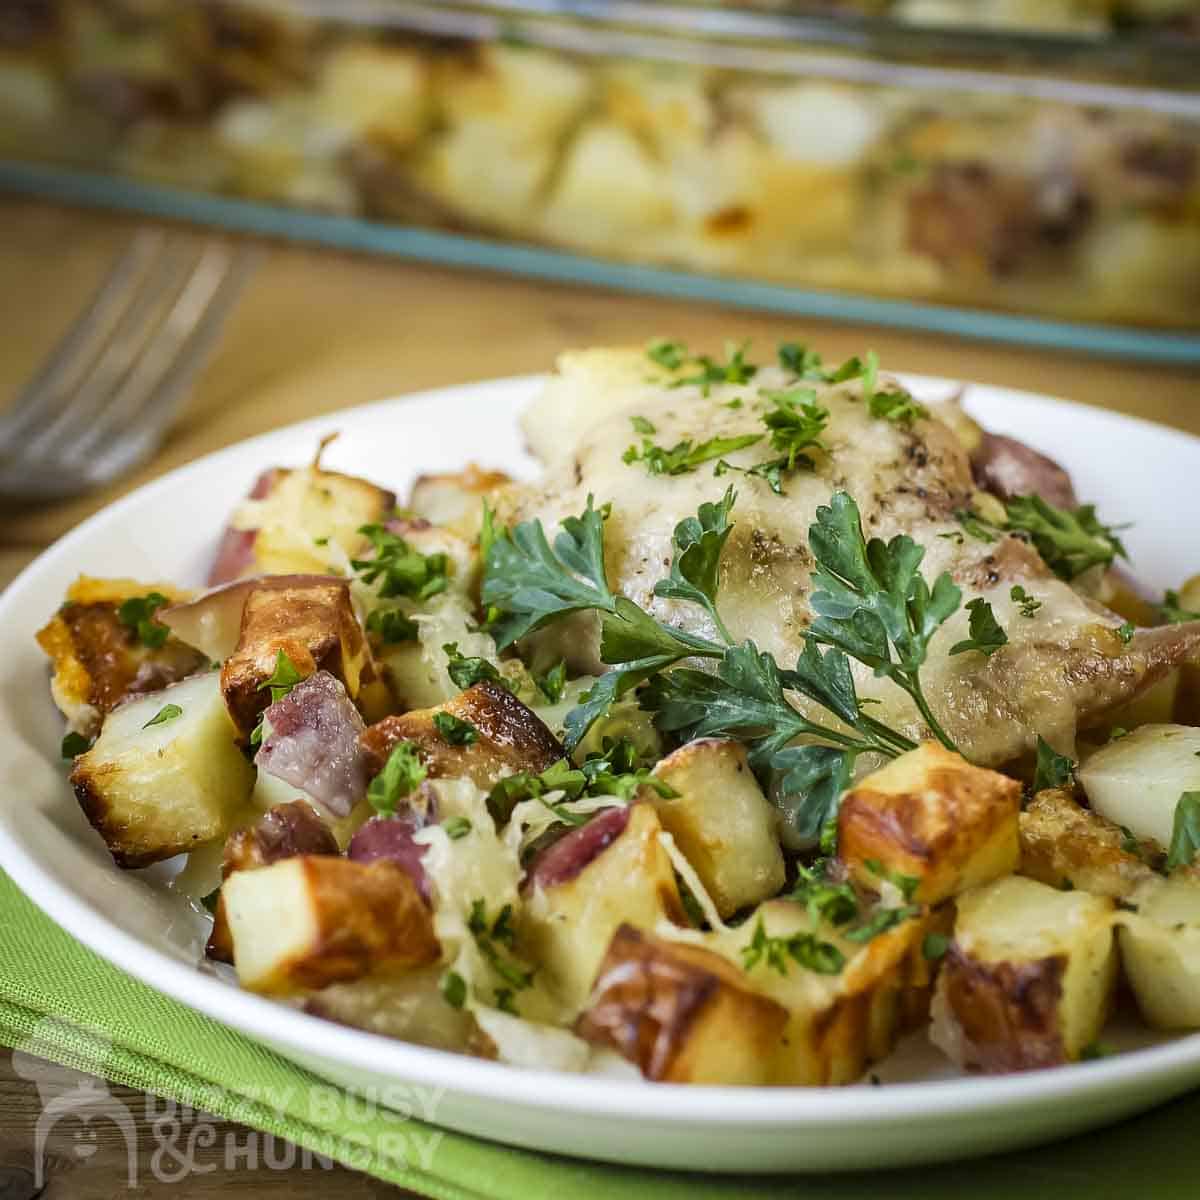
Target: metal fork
{"x": 105, "y": 397}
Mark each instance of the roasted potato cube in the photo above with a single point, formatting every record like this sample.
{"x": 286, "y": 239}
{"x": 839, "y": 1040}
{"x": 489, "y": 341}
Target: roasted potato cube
{"x": 313, "y": 624}
{"x": 842, "y": 1021}
{"x": 313, "y": 920}
{"x": 1136, "y": 781}
{"x": 1160, "y": 951}
{"x": 613, "y": 871}
{"x": 282, "y": 832}
{"x": 454, "y": 499}
{"x": 509, "y": 738}
{"x": 932, "y": 816}
{"x": 165, "y": 775}
{"x": 1028, "y": 979}
{"x": 1064, "y": 843}
{"x": 409, "y": 1006}
{"x": 98, "y": 659}
{"x": 298, "y": 522}
{"x": 721, "y": 821}
{"x": 681, "y": 1013}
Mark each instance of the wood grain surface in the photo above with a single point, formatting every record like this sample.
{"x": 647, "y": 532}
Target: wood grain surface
{"x": 317, "y": 331}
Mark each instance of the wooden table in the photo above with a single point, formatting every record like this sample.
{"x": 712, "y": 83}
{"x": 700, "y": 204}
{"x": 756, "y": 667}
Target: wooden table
{"x": 317, "y": 331}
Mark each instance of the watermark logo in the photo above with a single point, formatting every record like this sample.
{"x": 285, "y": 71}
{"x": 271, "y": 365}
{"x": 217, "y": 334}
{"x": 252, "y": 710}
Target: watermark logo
{"x": 363, "y": 1128}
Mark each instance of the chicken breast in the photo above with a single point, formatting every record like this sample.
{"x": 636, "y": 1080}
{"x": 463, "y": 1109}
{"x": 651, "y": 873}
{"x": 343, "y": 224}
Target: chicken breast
{"x": 1063, "y": 668}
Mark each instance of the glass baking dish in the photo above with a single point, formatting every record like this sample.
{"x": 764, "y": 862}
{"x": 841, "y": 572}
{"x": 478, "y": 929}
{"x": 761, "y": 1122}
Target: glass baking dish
{"x": 882, "y": 160}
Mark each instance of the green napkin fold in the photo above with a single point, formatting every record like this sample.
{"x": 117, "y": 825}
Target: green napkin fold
{"x": 61, "y": 1002}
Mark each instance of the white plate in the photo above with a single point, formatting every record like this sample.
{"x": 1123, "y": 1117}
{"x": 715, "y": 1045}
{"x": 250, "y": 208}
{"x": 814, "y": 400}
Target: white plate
{"x": 169, "y": 530}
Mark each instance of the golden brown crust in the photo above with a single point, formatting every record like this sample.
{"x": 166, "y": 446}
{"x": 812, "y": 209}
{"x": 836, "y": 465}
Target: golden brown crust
{"x": 932, "y": 816}
{"x": 1007, "y": 1012}
{"x": 681, "y": 1013}
{"x": 511, "y": 738}
{"x": 313, "y": 624}
{"x": 1063, "y": 842}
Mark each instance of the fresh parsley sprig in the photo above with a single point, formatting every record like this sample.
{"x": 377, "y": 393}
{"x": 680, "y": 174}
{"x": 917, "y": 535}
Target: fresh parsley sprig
{"x": 796, "y": 422}
{"x": 1053, "y": 770}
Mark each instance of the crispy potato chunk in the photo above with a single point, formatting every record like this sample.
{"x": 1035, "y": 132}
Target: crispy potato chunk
{"x": 1028, "y": 979}
{"x": 292, "y": 519}
{"x": 838, "y": 1023}
{"x": 721, "y": 821}
{"x": 931, "y": 815}
{"x": 313, "y": 624}
{"x": 153, "y": 790}
{"x": 454, "y": 499}
{"x": 1160, "y": 951}
{"x": 282, "y": 832}
{"x": 1063, "y": 842}
{"x": 569, "y": 922}
{"x": 97, "y": 660}
{"x": 313, "y": 920}
{"x": 510, "y": 738}
{"x": 681, "y": 1013}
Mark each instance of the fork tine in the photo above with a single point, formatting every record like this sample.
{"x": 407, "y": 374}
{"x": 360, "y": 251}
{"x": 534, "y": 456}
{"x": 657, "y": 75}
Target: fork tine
{"x": 55, "y": 381}
{"x": 131, "y": 334}
{"x": 141, "y": 410}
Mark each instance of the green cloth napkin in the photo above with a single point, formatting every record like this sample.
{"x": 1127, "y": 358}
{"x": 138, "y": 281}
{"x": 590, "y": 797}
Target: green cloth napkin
{"x": 60, "y": 1001}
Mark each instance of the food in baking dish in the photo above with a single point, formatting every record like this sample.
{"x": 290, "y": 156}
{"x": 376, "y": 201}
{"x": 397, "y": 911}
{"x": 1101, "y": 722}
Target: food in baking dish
{"x": 987, "y": 187}
{"x": 783, "y": 714}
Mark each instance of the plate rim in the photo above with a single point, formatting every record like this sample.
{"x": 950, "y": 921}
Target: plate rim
{"x": 763, "y": 1108}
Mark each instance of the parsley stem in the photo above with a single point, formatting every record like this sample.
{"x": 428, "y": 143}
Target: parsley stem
{"x": 918, "y": 696}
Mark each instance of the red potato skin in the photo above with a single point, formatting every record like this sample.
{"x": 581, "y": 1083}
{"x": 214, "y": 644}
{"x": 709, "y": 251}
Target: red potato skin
{"x": 235, "y": 553}
{"x": 1007, "y": 468}
{"x": 562, "y": 861}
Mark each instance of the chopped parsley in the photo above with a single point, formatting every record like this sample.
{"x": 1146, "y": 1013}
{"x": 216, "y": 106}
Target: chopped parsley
{"x": 880, "y": 921}
{"x": 467, "y": 672}
{"x": 1185, "y": 834}
{"x": 986, "y": 636}
{"x": 551, "y": 684}
{"x": 282, "y": 680}
{"x": 402, "y": 774}
{"x": 934, "y": 946}
{"x": 137, "y": 614}
{"x": 454, "y": 989}
{"x": 454, "y": 730}
{"x": 391, "y": 626}
{"x": 796, "y": 422}
{"x": 671, "y": 355}
{"x": 398, "y": 569}
{"x": 457, "y": 827}
{"x": 800, "y": 361}
{"x": 496, "y": 940}
{"x": 168, "y": 712}
{"x": 804, "y": 949}
{"x": 1125, "y": 632}
{"x": 1027, "y": 603}
{"x": 1053, "y": 770}
{"x": 75, "y": 744}
{"x": 685, "y": 456}
{"x": 905, "y": 884}
{"x": 641, "y": 425}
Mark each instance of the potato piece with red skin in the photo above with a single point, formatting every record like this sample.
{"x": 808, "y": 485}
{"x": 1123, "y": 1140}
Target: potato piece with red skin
{"x": 570, "y": 915}
{"x": 313, "y": 920}
{"x": 1029, "y": 978}
{"x": 454, "y": 499}
{"x": 313, "y": 624}
{"x": 281, "y": 832}
{"x": 511, "y": 738}
{"x": 681, "y": 1013}
{"x": 932, "y": 816}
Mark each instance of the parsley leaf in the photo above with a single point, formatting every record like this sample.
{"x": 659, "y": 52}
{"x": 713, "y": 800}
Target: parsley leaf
{"x": 466, "y": 672}
{"x": 698, "y": 542}
{"x": 906, "y": 884}
{"x": 880, "y": 921}
{"x": 976, "y": 527}
{"x": 1053, "y": 770}
{"x": 709, "y": 371}
{"x": 510, "y": 791}
{"x": 1185, "y": 834}
{"x": 800, "y": 360}
{"x": 551, "y": 684}
{"x": 1172, "y": 613}
{"x": 454, "y": 989}
{"x": 454, "y": 730}
{"x": 391, "y": 626}
{"x": 806, "y": 949}
{"x": 402, "y": 774}
{"x": 684, "y": 456}
{"x": 489, "y": 937}
{"x": 398, "y": 568}
{"x": 531, "y": 584}
{"x": 1069, "y": 541}
{"x": 872, "y": 603}
{"x": 986, "y": 635}
{"x": 934, "y": 946}
{"x": 75, "y": 744}
{"x": 642, "y": 425}
{"x": 671, "y": 355}
{"x": 283, "y": 678}
{"x": 796, "y": 422}
{"x": 457, "y": 827}
{"x": 168, "y": 712}
{"x": 137, "y": 614}
{"x": 1027, "y": 603}
{"x": 1125, "y": 632}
